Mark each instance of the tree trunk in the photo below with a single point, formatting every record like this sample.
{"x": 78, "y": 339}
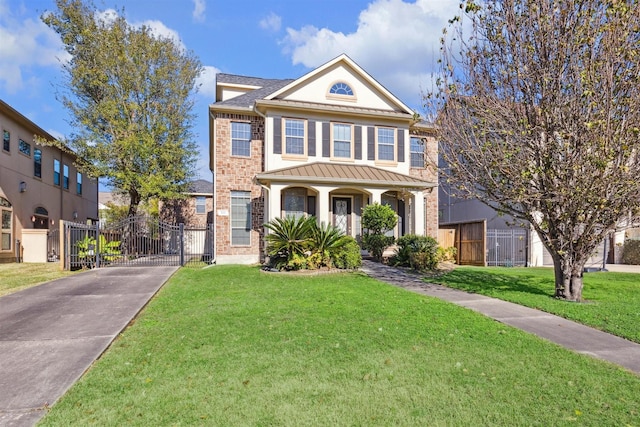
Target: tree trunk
{"x": 568, "y": 274}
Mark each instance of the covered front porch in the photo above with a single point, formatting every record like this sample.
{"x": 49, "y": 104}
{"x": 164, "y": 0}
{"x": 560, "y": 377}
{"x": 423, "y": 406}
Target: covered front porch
{"x": 336, "y": 194}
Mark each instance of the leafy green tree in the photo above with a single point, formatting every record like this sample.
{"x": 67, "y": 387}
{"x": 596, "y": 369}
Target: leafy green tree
{"x": 537, "y": 116}
{"x": 377, "y": 220}
{"x": 129, "y": 93}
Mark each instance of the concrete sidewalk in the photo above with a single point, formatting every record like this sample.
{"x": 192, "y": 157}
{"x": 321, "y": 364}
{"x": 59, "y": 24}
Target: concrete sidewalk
{"x": 50, "y": 334}
{"x": 566, "y": 333}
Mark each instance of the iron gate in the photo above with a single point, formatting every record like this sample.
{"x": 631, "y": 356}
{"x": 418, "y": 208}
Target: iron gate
{"x": 507, "y": 248}
{"x": 139, "y": 240}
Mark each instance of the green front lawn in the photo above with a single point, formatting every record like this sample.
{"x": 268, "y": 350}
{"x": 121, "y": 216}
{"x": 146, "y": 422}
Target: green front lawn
{"x": 612, "y": 300}
{"x": 15, "y": 277}
{"x": 233, "y": 346}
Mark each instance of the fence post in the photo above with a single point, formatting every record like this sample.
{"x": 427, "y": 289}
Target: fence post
{"x": 98, "y": 248}
{"x": 181, "y": 239}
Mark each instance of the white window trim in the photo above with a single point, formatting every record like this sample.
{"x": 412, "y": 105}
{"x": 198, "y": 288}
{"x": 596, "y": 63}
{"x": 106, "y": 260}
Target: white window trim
{"x": 305, "y": 136}
{"x": 386, "y": 162}
{"x": 352, "y": 143}
{"x": 231, "y": 139}
{"x": 231, "y": 228}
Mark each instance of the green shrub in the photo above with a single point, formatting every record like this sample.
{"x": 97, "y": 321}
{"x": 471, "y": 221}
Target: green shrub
{"x": 377, "y": 220}
{"x": 289, "y": 239}
{"x": 448, "y": 254}
{"x": 417, "y": 252}
{"x": 348, "y": 256}
{"x": 631, "y": 252}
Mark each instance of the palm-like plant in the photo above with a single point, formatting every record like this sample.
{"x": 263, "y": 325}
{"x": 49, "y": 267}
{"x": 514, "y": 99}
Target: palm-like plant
{"x": 289, "y": 237}
{"x": 326, "y": 240}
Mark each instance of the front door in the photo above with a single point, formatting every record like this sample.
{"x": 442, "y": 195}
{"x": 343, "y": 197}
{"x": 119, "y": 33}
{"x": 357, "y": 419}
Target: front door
{"x": 342, "y": 214}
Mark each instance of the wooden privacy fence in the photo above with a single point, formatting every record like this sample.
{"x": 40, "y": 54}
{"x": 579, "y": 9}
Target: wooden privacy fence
{"x": 469, "y": 239}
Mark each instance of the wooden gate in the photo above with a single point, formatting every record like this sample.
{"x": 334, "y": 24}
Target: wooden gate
{"x": 469, "y": 239}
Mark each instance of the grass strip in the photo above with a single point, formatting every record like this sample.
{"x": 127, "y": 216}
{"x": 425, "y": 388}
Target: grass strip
{"x": 231, "y": 345}
{"x": 612, "y": 300}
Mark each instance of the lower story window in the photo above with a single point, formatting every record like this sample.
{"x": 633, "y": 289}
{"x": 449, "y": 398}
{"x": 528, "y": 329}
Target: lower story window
{"x": 6, "y": 214}
{"x": 294, "y": 200}
{"x": 240, "y": 218}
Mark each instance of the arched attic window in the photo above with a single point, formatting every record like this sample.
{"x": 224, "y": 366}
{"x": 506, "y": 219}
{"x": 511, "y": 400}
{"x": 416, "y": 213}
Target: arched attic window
{"x": 341, "y": 88}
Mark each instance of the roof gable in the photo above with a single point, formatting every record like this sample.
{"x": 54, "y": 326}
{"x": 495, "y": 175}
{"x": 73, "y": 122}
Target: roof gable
{"x": 315, "y": 87}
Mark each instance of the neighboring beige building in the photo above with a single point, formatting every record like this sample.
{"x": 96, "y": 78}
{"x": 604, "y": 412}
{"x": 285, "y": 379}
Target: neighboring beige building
{"x": 39, "y": 185}
{"x": 325, "y": 144}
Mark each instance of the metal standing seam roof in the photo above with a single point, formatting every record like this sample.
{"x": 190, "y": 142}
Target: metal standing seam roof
{"x": 352, "y": 174}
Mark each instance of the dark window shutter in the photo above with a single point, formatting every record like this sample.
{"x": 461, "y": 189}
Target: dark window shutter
{"x": 326, "y": 143}
{"x": 358, "y": 142}
{"x": 311, "y": 138}
{"x": 400, "y": 145}
{"x": 371, "y": 143}
{"x": 277, "y": 135}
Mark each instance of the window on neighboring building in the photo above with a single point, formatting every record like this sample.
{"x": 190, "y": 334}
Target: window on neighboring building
{"x": 65, "y": 176}
{"x": 241, "y": 139}
{"x": 240, "y": 218}
{"x": 294, "y": 137}
{"x": 417, "y": 152}
{"x": 78, "y": 183}
{"x": 37, "y": 163}
{"x": 24, "y": 147}
{"x": 201, "y": 204}
{"x": 6, "y": 213}
{"x": 386, "y": 144}
{"x": 341, "y": 88}
{"x": 342, "y": 140}
{"x": 294, "y": 200}
{"x": 6, "y": 140}
{"x": 56, "y": 172}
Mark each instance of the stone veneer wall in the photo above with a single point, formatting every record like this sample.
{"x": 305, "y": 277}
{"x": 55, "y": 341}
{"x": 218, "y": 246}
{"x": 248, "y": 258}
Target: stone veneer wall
{"x": 235, "y": 173}
{"x": 430, "y": 173}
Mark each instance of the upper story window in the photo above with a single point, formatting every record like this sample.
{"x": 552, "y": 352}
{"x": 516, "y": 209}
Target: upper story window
{"x": 417, "y": 152}
{"x": 294, "y": 130}
{"x": 241, "y": 139}
{"x": 342, "y": 146}
{"x": 78, "y": 183}
{"x": 201, "y": 205}
{"x": 24, "y": 147}
{"x": 6, "y": 140}
{"x": 386, "y": 146}
{"x": 37, "y": 163}
{"x": 56, "y": 172}
{"x": 341, "y": 88}
{"x": 65, "y": 176}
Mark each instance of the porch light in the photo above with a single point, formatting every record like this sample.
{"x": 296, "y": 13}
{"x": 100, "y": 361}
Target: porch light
{"x": 23, "y": 186}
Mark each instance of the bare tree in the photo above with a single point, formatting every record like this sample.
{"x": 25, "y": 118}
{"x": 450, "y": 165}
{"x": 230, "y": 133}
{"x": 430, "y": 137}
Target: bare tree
{"x": 539, "y": 117}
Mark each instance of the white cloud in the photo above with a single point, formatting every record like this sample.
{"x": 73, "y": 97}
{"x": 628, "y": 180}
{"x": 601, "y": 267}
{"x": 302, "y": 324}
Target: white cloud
{"x": 396, "y": 42}
{"x": 25, "y": 43}
{"x": 207, "y": 82}
{"x": 198, "y": 10}
{"x": 271, "y": 22}
{"x": 158, "y": 29}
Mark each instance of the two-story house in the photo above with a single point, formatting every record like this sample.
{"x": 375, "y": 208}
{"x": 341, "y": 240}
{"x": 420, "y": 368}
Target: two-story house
{"x": 325, "y": 144}
{"x": 39, "y": 184}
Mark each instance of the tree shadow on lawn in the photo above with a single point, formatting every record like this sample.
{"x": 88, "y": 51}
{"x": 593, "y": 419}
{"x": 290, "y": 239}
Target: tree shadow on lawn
{"x": 490, "y": 283}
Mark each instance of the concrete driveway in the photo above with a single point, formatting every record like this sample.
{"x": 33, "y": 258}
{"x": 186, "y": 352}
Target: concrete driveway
{"x": 50, "y": 334}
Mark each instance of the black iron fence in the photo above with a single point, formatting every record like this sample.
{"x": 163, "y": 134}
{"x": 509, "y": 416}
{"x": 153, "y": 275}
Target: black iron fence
{"x": 135, "y": 241}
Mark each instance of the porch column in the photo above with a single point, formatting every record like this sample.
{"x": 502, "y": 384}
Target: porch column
{"x": 323, "y": 205}
{"x": 275, "y": 205}
{"x": 376, "y": 195}
{"x": 417, "y": 207}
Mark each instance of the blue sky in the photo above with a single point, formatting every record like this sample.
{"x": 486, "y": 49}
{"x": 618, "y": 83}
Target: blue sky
{"x": 395, "y": 41}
